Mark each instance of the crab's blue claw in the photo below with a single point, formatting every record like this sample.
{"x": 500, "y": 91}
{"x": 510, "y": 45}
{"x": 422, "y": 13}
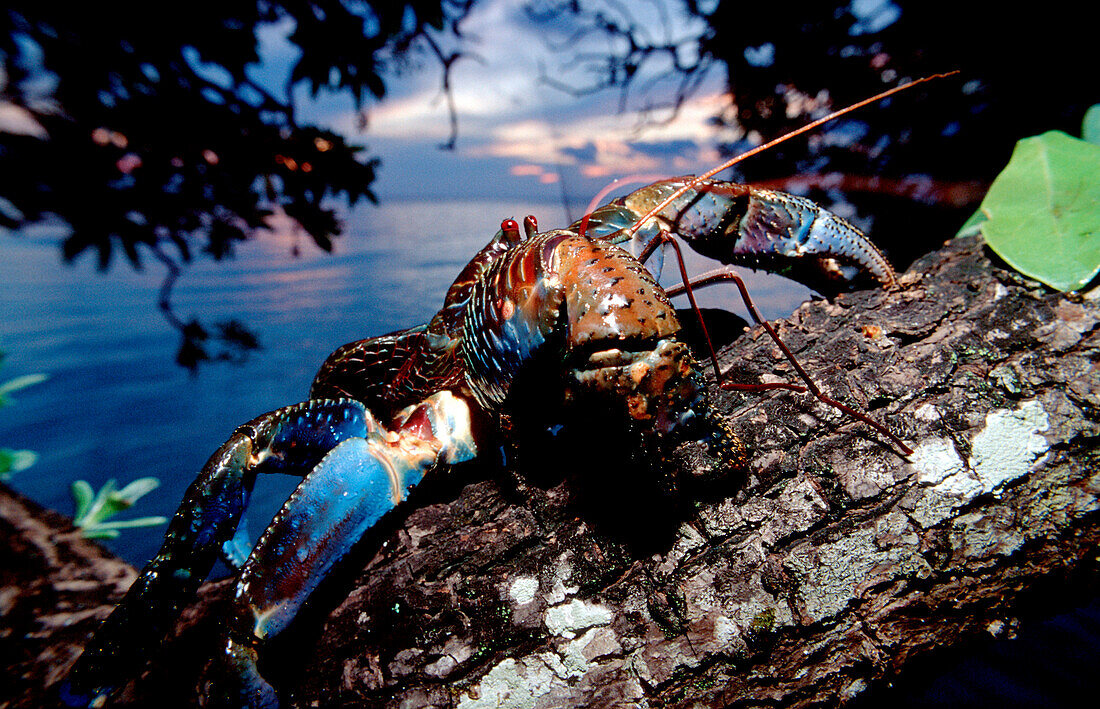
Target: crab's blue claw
{"x": 354, "y": 471}
{"x": 783, "y": 232}
{"x": 291, "y": 440}
{"x": 359, "y": 481}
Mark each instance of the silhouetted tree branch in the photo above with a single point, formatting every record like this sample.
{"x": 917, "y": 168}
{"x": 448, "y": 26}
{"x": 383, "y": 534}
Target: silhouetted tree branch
{"x": 146, "y": 130}
{"x": 636, "y": 50}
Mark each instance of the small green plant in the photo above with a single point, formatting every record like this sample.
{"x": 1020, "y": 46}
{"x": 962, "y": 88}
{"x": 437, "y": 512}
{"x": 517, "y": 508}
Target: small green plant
{"x": 93, "y": 509}
{"x": 12, "y": 461}
{"x": 1042, "y": 213}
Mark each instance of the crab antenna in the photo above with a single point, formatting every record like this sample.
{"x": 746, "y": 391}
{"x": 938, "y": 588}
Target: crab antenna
{"x": 691, "y": 184}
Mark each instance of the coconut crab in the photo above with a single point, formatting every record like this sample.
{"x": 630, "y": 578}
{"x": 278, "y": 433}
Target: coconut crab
{"x": 574, "y": 306}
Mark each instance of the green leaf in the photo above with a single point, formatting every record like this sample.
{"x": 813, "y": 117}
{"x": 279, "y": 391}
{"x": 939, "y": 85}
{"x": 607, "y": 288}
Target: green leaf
{"x": 109, "y": 530}
{"x": 1090, "y": 128}
{"x": 22, "y": 382}
{"x": 95, "y": 533}
{"x": 82, "y": 496}
{"x": 19, "y": 383}
{"x": 132, "y": 523}
{"x": 112, "y": 504}
{"x": 138, "y": 489}
{"x": 1043, "y": 210}
{"x": 93, "y": 509}
{"x": 12, "y": 461}
{"x": 98, "y": 511}
{"x": 973, "y": 225}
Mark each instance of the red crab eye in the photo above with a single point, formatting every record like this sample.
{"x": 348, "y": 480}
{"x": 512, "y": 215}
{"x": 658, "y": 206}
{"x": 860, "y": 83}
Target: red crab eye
{"x": 510, "y": 229}
{"x": 530, "y": 225}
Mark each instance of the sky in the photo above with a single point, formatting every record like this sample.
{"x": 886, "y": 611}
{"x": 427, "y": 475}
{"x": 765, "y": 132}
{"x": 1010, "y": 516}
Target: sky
{"x": 519, "y": 136}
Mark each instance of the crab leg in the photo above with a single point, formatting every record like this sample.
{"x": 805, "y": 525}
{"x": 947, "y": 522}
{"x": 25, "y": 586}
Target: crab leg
{"x": 356, "y": 483}
{"x": 291, "y": 440}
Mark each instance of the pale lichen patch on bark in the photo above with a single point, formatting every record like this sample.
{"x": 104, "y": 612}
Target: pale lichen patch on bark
{"x": 511, "y": 684}
{"x": 522, "y": 590}
{"x": 831, "y": 575}
{"x": 1006, "y": 449}
{"x": 568, "y": 619}
{"x": 1009, "y": 444}
{"x": 949, "y": 483}
{"x": 562, "y": 572}
{"x": 528, "y": 682}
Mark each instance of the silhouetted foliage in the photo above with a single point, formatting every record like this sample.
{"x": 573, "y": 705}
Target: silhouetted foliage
{"x": 151, "y": 132}
{"x": 936, "y": 148}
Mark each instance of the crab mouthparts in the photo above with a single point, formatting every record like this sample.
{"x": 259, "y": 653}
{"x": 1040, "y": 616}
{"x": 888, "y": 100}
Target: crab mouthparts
{"x": 660, "y": 386}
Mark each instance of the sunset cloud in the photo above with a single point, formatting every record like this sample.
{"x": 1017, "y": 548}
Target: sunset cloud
{"x": 612, "y": 144}
{"x": 537, "y": 133}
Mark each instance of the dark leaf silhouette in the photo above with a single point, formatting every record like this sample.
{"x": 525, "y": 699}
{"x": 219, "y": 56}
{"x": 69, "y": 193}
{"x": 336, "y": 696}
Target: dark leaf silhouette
{"x": 144, "y": 126}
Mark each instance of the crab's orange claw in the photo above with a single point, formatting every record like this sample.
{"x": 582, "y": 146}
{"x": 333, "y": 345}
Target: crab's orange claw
{"x": 743, "y": 225}
{"x": 789, "y": 235}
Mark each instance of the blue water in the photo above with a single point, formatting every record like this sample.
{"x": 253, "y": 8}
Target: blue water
{"x": 116, "y": 404}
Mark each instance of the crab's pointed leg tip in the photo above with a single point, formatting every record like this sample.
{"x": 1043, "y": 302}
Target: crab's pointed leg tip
{"x": 69, "y": 696}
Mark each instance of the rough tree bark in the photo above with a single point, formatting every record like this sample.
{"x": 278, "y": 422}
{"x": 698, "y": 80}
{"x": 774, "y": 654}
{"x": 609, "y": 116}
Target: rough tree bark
{"x": 828, "y": 563}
